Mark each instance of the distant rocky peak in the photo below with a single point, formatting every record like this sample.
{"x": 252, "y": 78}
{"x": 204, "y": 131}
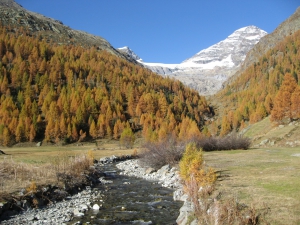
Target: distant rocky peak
{"x": 234, "y": 46}
{"x": 248, "y": 31}
{"x": 130, "y": 53}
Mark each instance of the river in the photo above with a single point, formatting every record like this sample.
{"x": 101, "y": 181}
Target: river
{"x": 130, "y": 200}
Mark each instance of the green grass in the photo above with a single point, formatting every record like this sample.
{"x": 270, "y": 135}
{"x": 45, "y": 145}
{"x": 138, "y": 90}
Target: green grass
{"x": 279, "y": 136}
{"x": 264, "y": 177}
{"x": 259, "y": 128}
{"x": 44, "y": 154}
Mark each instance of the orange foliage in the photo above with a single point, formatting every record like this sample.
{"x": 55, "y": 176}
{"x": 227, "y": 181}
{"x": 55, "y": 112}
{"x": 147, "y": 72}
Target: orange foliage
{"x": 57, "y": 92}
{"x": 252, "y": 95}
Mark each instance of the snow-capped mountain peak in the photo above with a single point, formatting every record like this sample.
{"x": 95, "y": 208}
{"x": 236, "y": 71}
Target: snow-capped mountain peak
{"x": 209, "y": 68}
{"x": 232, "y": 50}
{"x": 130, "y": 53}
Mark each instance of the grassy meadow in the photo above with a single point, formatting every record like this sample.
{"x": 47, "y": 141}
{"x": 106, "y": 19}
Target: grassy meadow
{"x": 21, "y": 166}
{"x": 267, "y": 178}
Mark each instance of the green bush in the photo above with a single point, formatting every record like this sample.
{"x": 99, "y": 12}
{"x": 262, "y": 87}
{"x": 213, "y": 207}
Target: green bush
{"x": 127, "y": 138}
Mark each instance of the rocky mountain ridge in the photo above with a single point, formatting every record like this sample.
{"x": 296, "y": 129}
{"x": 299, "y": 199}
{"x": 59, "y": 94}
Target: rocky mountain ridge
{"x": 209, "y": 68}
{"x": 15, "y": 16}
{"x": 130, "y": 53}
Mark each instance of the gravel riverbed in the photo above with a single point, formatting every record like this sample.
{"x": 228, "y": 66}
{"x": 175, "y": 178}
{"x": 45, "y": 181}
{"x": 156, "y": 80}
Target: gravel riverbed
{"x": 73, "y": 207}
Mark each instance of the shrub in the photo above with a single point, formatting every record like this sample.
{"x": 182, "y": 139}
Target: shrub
{"x": 167, "y": 151}
{"x": 135, "y": 153}
{"x": 194, "y": 175}
{"x": 192, "y": 167}
{"x": 223, "y": 143}
{"x": 127, "y": 138}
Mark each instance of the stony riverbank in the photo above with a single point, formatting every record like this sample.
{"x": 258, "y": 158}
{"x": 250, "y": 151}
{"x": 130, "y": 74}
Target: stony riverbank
{"x": 55, "y": 205}
{"x": 167, "y": 176}
{"x": 60, "y": 212}
{"x": 76, "y": 206}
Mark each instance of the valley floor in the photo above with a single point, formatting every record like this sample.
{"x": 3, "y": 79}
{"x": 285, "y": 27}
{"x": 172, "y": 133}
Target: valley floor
{"x": 267, "y": 178}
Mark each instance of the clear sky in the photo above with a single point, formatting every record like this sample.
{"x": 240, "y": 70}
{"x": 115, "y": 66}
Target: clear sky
{"x": 166, "y": 31}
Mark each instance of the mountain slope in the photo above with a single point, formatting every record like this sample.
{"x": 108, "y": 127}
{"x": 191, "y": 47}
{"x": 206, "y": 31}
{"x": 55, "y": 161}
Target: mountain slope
{"x": 286, "y": 28}
{"x": 63, "y": 93}
{"x": 209, "y": 68}
{"x": 251, "y": 96}
{"x": 14, "y": 15}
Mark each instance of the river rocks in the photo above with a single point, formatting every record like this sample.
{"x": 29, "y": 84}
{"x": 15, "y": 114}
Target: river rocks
{"x": 166, "y": 176}
{"x": 112, "y": 159}
{"x": 78, "y": 213}
{"x": 185, "y": 212}
{"x": 106, "y": 160}
{"x": 73, "y": 207}
{"x": 103, "y": 181}
{"x": 96, "y": 207}
{"x": 150, "y": 170}
{"x": 60, "y": 212}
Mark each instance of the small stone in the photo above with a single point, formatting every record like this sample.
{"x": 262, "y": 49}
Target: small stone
{"x": 30, "y": 218}
{"x": 96, "y": 207}
{"x": 83, "y": 207}
{"x": 77, "y": 213}
{"x": 150, "y": 170}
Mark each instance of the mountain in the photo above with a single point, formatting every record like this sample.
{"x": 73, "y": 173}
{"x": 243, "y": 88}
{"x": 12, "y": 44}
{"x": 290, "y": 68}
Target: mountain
{"x": 127, "y": 51}
{"x": 254, "y": 91}
{"x": 286, "y": 28}
{"x": 15, "y": 16}
{"x": 209, "y": 68}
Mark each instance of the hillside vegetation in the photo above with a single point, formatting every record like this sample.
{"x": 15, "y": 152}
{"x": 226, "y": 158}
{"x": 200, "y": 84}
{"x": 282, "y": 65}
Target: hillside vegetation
{"x": 70, "y": 93}
{"x": 252, "y": 96}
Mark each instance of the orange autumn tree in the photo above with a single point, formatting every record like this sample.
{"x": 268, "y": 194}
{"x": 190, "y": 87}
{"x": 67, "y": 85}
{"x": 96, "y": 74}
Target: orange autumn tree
{"x": 282, "y": 110}
{"x": 295, "y": 107}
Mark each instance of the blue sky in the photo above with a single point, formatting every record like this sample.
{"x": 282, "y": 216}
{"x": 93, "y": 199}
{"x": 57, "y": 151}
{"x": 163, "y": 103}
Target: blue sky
{"x": 164, "y": 31}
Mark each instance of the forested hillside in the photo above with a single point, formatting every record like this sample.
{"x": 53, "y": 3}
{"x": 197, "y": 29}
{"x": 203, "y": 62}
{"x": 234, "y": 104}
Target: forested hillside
{"x": 56, "y": 92}
{"x": 258, "y": 91}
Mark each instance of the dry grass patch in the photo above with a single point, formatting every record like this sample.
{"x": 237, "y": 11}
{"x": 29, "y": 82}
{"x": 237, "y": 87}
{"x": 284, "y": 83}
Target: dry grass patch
{"x": 21, "y": 166}
{"x": 265, "y": 177}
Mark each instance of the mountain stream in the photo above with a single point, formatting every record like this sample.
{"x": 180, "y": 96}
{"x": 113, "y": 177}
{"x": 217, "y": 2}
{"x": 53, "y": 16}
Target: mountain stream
{"x": 130, "y": 200}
